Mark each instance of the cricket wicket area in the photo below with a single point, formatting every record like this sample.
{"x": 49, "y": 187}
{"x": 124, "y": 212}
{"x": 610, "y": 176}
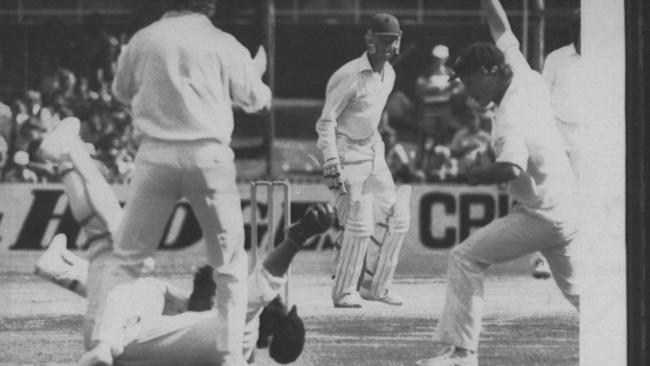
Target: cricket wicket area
{"x": 272, "y": 187}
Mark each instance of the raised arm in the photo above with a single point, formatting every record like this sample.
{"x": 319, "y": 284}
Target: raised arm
{"x": 247, "y": 89}
{"x": 496, "y": 17}
{"x": 503, "y": 36}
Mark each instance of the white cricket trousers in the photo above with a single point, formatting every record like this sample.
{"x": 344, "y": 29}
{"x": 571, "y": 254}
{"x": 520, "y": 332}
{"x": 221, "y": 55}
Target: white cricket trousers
{"x": 204, "y": 173}
{"x": 366, "y": 169}
{"x": 505, "y": 239}
{"x": 139, "y": 334}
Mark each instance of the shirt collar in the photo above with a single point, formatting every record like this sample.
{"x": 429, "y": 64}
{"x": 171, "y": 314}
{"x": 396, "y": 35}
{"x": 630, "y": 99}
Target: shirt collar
{"x": 364, "y": 63}
{"x": 178, "y": 13}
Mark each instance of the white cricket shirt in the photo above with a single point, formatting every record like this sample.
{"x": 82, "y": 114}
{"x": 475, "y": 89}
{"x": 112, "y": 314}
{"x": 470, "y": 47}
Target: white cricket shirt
{"x": 354, "y": 100}
{"x": 562, "y": 72}
{"x": 182, "y": 76}
{"x": 190, "y": 338}
{"x": 524, "y": 134}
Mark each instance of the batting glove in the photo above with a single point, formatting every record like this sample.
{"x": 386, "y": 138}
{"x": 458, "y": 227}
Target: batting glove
{"x": 335, "y": 176}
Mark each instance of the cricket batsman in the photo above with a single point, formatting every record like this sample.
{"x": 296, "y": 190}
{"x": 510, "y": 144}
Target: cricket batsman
{"x": 374, "y": 215}
{"x": 532, "y": 158}
{"x": 147, "y": 321}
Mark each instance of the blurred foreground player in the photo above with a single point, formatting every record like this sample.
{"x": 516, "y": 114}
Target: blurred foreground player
{"x": 562, "y": 73}
{"x": 532, "y": 158}
{"x": 151, "y": 322}
{"x": 182, "y": 77}
{"x": 374, "y": 215}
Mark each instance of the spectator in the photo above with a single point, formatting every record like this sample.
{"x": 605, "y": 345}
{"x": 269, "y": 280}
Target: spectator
{"x": 401, "y": 110}
{"x": 29, "y": 139}
{"x": 93, "y": 55}
{"x": 437, "y": 163}
{"x": 433, "y": 89}
{"x": 470, "y": 140}
{"x": 4, "y": 149}
{"x": 10, "y": 83}
{"x": 6, "y": 122}
{"x": 19, "y": 171}
{"x": 398, "y": 160}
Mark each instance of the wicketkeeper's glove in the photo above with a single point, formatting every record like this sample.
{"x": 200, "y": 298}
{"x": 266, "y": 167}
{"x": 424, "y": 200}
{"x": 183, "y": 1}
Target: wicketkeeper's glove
{"x": 318, "y": 219}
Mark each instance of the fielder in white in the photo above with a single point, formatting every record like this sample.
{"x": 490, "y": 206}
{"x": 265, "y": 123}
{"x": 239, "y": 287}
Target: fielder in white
{"x": 562, "y": 72}
{"x": 148, "y": 321}
{"x": 532, "y": 158}
{"x": 375, "y": 217}
{"x": 182, "y": 77}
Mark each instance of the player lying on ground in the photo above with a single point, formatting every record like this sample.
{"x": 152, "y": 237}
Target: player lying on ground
{"x": 145, "y": 322}
{"x": 182, "y": 77}
{"x": 532, "y": 158}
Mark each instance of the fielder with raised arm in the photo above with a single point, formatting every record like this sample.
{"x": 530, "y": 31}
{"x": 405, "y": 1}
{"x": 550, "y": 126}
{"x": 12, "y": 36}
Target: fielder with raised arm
{"x": 374, "y": 215}
{"x": 531, "y": 156}
{"x": 182, "y": 77}
{"x": 148, "y": 321}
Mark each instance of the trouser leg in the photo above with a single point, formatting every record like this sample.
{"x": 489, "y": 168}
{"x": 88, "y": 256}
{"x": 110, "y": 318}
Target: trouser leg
{"x": 213, "y": 194}
{"x": 562, "y": 262}
{"x": 152, "y": 196}
{"x": 96, "y": 208}
{"x": 502, "y": 240}
{"x": 392, "y": 221}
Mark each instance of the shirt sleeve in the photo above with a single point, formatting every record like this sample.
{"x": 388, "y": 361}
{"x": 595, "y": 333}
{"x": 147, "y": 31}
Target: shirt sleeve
{"x": 247, "y": 89}
{"x": 263, "y": 287}
{"x": 509, "y": 45}
{"x": 340, "y": 90}
{"x": 512, "y": 149}
{"x": 550, "y": 69}
{"x": 124, "y": 86}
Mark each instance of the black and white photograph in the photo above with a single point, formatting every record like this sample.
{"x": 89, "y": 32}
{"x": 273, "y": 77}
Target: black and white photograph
{"x": 323, "y": 182}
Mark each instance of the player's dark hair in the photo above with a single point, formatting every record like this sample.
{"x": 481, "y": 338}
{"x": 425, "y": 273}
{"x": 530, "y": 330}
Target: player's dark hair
{"x": 283, "y": 333}
{"x": 479, "y": 55}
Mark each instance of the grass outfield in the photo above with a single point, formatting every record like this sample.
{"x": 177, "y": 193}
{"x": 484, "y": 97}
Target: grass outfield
{"x": 527, "y": 321}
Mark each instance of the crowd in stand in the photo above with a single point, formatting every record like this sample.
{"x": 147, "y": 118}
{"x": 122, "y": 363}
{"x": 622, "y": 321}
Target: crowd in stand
{"x": 452, "y": 130}
{"x": 105, "y": 126}
{"x": 84, "y": 93}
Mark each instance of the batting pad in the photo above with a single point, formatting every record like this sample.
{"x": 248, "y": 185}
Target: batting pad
{"x": 358, "y": 229}
{"x": 382, "y": 267}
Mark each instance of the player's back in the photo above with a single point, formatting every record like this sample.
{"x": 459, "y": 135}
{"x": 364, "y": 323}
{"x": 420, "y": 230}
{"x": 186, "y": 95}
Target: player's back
{"x": 179, "y": 67}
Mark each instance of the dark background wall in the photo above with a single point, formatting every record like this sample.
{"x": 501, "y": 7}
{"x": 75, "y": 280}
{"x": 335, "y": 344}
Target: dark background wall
{"x": 307, "y": 53}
